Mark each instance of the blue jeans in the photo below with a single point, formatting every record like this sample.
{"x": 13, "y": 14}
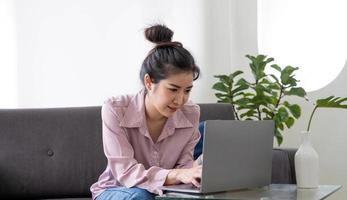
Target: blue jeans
{"x": 123, "y": 193}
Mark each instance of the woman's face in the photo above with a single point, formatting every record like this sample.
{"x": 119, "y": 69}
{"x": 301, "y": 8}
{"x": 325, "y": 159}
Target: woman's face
{"x": 171, "y": 93}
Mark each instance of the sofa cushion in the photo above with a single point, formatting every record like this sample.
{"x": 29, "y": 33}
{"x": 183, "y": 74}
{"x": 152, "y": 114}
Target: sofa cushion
{"x": 50, "y": 153}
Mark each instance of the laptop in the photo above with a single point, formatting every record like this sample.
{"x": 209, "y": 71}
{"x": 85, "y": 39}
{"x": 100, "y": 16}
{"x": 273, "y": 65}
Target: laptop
{"x": 236, "y": 155}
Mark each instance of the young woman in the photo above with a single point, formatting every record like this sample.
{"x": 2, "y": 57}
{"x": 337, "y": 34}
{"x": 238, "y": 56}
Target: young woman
{"x": 149, "y": 137}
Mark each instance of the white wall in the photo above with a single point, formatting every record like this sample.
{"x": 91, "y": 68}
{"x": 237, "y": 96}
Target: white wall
{"x": 76, "y": 53}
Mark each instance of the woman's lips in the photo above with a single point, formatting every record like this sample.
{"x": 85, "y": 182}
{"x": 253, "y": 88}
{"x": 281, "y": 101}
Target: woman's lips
{"x": 172, "y": 109}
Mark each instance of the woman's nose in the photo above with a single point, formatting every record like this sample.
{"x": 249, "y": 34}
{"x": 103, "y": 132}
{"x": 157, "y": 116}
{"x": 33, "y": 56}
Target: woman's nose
{"x": 179, "y": 98}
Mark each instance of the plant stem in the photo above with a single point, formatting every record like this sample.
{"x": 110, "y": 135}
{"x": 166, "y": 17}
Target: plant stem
{"x": 280, "y": 96}
{"x": 259, "y": 114}
{"x": 235, "y": 113}
{"x": 309, "y": 122}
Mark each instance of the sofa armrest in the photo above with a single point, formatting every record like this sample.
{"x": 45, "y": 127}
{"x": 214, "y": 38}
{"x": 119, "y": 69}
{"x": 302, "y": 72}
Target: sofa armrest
{"x": 283, "y": 170}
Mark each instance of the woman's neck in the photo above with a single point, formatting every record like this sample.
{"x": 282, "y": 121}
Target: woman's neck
{"x": 152, "y": 114}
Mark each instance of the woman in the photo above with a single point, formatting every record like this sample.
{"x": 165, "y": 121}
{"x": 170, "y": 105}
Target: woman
{"x": 149, "y": 137}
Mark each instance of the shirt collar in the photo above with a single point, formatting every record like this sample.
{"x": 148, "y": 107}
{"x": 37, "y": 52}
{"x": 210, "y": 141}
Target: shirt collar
{"x": 135, "y": 114}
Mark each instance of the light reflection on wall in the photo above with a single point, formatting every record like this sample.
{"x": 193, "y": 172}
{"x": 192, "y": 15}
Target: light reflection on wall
{"x": 307, "y": 34}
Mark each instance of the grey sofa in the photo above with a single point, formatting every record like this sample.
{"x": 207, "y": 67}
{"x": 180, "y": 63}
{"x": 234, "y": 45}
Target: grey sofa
{"x": 57, "y": 152}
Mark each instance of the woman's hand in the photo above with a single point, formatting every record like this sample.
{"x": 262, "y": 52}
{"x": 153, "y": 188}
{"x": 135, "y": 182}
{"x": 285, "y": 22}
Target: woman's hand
{"x": 198, "y": 161}
{"x": 192, "y": 175}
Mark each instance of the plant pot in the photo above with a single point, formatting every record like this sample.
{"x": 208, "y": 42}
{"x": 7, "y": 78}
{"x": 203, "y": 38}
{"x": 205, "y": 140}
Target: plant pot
{"x": 306, "y": 163}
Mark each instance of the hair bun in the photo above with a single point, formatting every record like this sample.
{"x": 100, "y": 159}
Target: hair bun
{"x": 158, "y": 33}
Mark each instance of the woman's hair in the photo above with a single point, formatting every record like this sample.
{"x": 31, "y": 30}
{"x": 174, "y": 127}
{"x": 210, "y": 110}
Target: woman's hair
{"x": 166, "y": 57}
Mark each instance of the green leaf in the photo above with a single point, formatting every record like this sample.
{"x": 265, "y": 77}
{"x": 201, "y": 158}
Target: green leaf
{"x": 250, "y": 113}
{"x": 280, "y": 126}
{"x": 245, "y": 107}
{"x": 223, "y": 97}
{"x": 289, "y": 122}
{"x": 289, "y": 70}
{"x": 258, "y": 101}
{"x": 224, "y": 79}
{"x": 268, "y": 112}
{"x": 258, "y": 64}
{"x": 294, "y": 109}
{"x": 279, "y": 137}
{"x": 218, "y": 95}
{"x": 269, "y": 60}
{"x": 329, "y": 102}
{"x": 272, "y": 99}
{"x": 242, "y": 81}
{"x": 332, "y": 102}
{"x": 283, "y": 114}
{"x": 264, "y": 81}
{"x": 246, "y": 95}
{"x": 240, "y": 88}
{"x": 260, "y": 89}
{"x": 297, "y": 91}
{"x": 236, "y": 73}
{"x": 286, "y": 75}
{"x": 221, "y": 87}
{"x": 274, "y": 86}
{"x": 276, "y": 67}
{"x": 221, "y": 101}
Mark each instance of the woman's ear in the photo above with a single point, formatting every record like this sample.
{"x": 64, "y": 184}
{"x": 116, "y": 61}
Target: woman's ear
{"x": 148, "y": 82}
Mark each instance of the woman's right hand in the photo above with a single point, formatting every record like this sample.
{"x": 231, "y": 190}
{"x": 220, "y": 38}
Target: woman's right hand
{"x": 191, "y": 175}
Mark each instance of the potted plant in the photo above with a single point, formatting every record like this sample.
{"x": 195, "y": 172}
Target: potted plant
{"x": 263, "y": 97}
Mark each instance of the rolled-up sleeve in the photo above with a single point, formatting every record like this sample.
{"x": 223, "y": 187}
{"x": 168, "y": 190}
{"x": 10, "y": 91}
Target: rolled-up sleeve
{"x": 120, "y": 155}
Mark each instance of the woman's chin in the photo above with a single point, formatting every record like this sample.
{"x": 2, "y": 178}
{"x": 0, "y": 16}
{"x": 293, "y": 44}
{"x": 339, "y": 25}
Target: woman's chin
{"x": 169, "y": 112}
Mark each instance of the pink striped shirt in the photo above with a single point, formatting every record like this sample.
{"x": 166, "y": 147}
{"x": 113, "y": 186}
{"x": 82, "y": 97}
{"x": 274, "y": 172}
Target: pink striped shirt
{"x": 134, "y": 160}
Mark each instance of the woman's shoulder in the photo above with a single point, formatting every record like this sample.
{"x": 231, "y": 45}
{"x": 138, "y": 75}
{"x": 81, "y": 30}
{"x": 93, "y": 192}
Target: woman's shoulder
{"x": 118, "y": 101}
{"x": 123, "y": 100}
{"x": 120, "y": 104}
{"x": 116, "y": 105}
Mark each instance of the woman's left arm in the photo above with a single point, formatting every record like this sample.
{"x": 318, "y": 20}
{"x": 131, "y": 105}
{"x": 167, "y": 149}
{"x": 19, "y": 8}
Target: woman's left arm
{"x": 186, "y": 159}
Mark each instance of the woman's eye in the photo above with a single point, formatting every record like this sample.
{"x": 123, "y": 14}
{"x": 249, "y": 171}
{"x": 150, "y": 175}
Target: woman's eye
{"x": 173, "y": 89}
{"x": 187, "y": 91}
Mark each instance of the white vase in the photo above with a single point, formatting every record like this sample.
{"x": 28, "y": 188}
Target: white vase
{"x": 306, "y": 163}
